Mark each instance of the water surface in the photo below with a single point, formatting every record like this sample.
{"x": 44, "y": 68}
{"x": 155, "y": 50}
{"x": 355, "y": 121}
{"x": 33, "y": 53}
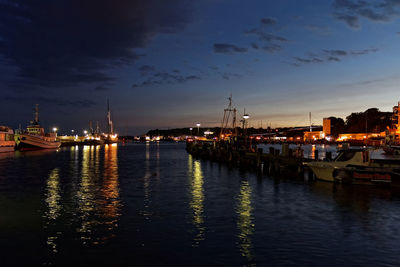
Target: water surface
{"x": 154, "y": 204}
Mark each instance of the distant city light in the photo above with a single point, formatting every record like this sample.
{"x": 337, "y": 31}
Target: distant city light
{"x": 55, "y": 129}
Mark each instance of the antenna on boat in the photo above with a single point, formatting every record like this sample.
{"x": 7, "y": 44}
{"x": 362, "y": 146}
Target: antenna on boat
{"x": 36, "y": 114}
{"x": 91, "y": 127}
{"x": 110, "y": 123}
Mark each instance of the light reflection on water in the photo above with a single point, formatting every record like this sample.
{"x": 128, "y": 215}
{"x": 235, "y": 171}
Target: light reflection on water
{"x": 110, "y": 204}
{"x": 97, "y": 195}
{"x": 86, "y": 196}
{"x": 53, "y": 203}
{"x": 197, "y": 194}
{"x": 153, "y": 204}
{"x": 245, "y": 221}
{"x": 146, "y": 184}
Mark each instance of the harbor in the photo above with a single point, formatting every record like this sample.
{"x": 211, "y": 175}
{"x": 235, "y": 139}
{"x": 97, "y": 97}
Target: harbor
{"x": 129, "y": 200}
{"x": 199, "y": 133}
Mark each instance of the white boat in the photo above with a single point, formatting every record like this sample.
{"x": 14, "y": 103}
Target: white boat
{"x": 7, "y": 142}
{"x": 35, "y": 138}
{"x": 359, "y": 158}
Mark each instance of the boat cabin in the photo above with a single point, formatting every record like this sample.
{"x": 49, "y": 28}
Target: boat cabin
{"x": 354, "y": 155}
{"x": 35, "y": 129}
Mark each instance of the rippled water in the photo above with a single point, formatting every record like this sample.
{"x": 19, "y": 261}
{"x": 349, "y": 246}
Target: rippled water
{"x": 153, "y": 204}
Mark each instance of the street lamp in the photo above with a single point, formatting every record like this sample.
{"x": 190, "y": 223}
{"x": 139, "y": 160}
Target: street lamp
{"x": 55, "y": 130}
{"x": 85, "y": 132}
{"x": 198, "y": 129}
{"x": 244, "y": 121}
{"x": 191, "y": 130}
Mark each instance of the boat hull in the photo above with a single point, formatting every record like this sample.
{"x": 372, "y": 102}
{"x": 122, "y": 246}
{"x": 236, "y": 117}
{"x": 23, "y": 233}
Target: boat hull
{"x": 322, "y": 171}
{"x": 4, "y": 149}
{"x": 367, "y": 176}
{"x": 27, "y": 142}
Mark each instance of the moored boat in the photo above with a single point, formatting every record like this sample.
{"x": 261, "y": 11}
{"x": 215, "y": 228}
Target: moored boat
{"x": 367, "y": 175}
{"x": 323, "y": 170}
{"x": 349, "y": 160}
{"x": 7, "y": 142}
{"x": 35, "y": 138}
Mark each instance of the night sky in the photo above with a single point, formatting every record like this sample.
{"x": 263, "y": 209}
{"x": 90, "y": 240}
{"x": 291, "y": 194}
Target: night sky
{"x": 166, "y": 64}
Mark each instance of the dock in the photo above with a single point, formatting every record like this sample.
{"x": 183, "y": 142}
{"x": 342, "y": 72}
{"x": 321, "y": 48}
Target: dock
{"x": 278, "y": 163}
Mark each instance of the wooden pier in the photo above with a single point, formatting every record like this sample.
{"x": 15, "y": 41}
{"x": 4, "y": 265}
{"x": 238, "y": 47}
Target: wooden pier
{"x": 285, "y": 163}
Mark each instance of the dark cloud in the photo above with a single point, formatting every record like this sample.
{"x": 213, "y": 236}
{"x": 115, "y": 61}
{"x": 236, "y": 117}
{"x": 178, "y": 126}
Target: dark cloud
{"x": 229, "y": 75}
{"x": 271, "y": 48}
{"x": 336, "y": 52}
{"x": 214, "y": 67}
{"x": 263, "y": 36}
{"x": 51, "y": 101}
{"x": 321, "y": 30}
{"x": 350, "y": 11}
{"x": 333, "y": 59}
{"x": 228, "y": 49}
{"x": 255, "y": 46}
{"x": 308, "y": 60}
{"x": 365, "y": 51}
{"x": 192, "y": 77}
{"x": 70, "y": 42}
{"x": 161, "y": 78}
{"x": 350, "y": 20}
{"x": 102, "y": 88}
{"x": 146, "y": 69}
{"x": 267, "y": 42}
{"x": 330, "y": 55}
{"x": 268, "y": 21}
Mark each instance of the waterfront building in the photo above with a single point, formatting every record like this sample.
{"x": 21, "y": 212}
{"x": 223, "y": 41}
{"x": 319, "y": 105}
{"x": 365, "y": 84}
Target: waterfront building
{"x": 326, "y": 126}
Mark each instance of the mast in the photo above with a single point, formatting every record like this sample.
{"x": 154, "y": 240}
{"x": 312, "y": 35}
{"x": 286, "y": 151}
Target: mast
{"x": 310, "y": 123}
{"x": 228, "y": 112}
{"x": 109, "y": 121}
{"x": 91, "y": 127}
{"x": 36, "y": 114}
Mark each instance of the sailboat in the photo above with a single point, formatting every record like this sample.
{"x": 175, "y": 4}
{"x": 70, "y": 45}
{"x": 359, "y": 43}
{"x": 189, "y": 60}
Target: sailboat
{"x": 109, "y": 137}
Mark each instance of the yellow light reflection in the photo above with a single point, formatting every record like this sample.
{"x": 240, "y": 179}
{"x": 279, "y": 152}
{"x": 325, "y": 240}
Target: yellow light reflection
{"x": 86, "y": 195}
{"x": 245, "y": 224}
{"x": 98, "y": 199}
{"x": 197, "y": 202}
{"x": 146, "y": 184}
{"x": 313, "y": 151}
{"x": 53, "y": 204}
{"x": 110, "y": 189}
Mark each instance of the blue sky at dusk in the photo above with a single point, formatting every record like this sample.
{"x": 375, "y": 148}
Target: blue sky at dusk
{"x": 167, "y": 64}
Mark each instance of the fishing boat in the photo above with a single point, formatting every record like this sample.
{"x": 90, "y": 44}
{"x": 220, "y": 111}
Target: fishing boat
{"x": 35, "y": 138}
{"x": 352, "y": 159}
{"x": 7, "y": 142}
